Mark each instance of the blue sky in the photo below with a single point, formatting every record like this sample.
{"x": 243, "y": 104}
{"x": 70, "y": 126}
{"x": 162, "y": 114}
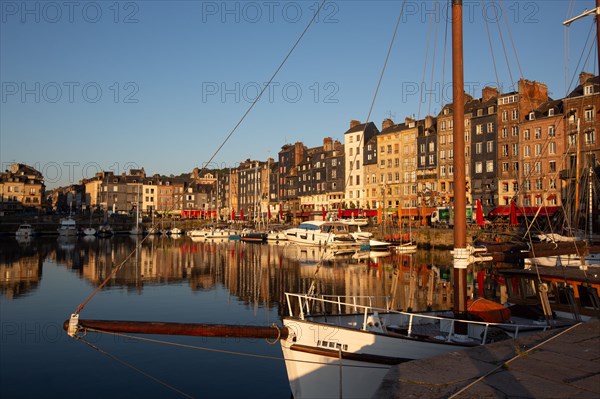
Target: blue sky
{"x": 112, "y": 85}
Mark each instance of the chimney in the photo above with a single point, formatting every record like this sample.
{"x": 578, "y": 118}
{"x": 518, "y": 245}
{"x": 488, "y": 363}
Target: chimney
{"x": 487, "y": 93}
{"x": 387, "y": 122}
{"x": 354, "y": 123}
{"x": 428, "y": 122}
{"x": 327, "y": 144}
{"x": 584, "y": 76}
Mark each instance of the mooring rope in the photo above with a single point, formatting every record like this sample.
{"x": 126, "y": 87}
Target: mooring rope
{"x": 134, "y": 368}
{"x": 222, "y": 351}
{"x": 505, "y": 364}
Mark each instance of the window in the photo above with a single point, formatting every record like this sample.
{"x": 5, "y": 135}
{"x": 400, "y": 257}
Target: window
{"x": 526, "y": 134}
{"x": 539, "y": 184}
{"x": 504, "y": 166}
{"x": 504, "y": 133}
{"x": 552, "y": 166}
{"x": 443, "y": 170}
{"x": 590, "y": 137}
{"x": 350, "y": 151}
{"x": 489, "y": 146}
{"x": 478, "y": 167}
{"x": 443, "y": 124}
{"x": 552, "y": 183}
{"x": 552, "y": 147}
{"x": 431, "y": 146}
{"x": 504, "y": 116}
{"x": 389, "y": 148}
{"x": 504, "y": 187}
{"x": 527, "y": 168}
{"x": 358, "y": 180}
{"x": 551, "y": 131}
{"x": 588, "y": 115}
{"x": 479, "y": 129}
{"x": 515, "y": 150}
{"x": 489, "y": 166}
{"x": 431, "y": 159}
{"x": 538, "y": 167}
{"x": 587, "y": 90}
{"x": 526, "y": 151}
{"x": 490, "y": 127}
{"x": 538, "y": 149}
{"x": 514, "y": 114}
{"x": 515, "y": 131}
{"x": 551, "y": 112}
{"x": 442, "y": 154}
{"x": 478, "y": 148}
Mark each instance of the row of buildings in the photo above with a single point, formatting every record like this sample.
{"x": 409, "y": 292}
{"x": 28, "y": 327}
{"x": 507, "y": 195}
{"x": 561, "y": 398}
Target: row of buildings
{"x": 522, "y": 146}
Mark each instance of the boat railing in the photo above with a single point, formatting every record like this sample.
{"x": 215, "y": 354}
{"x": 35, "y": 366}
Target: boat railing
{"x": 410, "y": 323}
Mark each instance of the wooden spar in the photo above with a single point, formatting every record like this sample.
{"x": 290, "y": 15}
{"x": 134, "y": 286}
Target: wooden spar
{"x": 460, "y": 261}
{"x": 192, "y": 329}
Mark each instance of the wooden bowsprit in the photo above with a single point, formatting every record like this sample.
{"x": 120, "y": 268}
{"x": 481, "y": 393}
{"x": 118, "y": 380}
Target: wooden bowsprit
{"x": 75, "y": 325}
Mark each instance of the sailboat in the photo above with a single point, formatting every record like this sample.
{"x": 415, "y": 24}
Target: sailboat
{"x": 137, "y": 229}
{"x": 336, "y": 346}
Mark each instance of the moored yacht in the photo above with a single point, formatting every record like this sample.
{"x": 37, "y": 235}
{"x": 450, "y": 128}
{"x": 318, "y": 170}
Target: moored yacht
{"x": 67, "y": 227}
{"x": 25, "y": 230}
{"x": 334, "y": 235}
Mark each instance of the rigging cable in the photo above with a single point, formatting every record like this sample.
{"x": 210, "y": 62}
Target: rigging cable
{"x": 433, "y": 58}
{"x": 487, "y": 28}
{"x": 424, "y": 68}
{"x": 258, "y": 97}
{"x": 512, "y": 81}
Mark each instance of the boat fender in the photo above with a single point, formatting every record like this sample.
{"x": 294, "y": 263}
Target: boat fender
{"x": 73, "y": 325}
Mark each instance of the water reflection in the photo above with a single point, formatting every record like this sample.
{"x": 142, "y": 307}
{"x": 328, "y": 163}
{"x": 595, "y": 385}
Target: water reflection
{"x": 256, "y": 274}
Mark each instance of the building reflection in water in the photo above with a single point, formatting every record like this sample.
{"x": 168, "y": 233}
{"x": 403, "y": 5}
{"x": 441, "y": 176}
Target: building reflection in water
{"x": 258, "y": 275}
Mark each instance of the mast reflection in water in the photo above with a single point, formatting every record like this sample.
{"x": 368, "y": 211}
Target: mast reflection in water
{"x": 43, "y": 280}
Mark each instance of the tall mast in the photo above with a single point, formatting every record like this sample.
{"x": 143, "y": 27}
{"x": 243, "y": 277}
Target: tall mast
{"x": 460, "y": 256}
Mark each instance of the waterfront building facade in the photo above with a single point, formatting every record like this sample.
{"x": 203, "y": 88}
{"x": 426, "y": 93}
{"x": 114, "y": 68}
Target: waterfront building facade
{"x": 355, "y": 139}
{"x": 21, "y": 187}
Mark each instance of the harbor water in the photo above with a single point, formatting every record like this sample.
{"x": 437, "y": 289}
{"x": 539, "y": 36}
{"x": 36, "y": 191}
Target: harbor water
{"x": 43, "y": 280}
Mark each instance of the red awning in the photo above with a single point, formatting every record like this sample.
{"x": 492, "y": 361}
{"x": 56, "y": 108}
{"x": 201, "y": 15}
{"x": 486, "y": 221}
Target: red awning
{"x": 359, "y": 213}
{"x": 525, "y": 210}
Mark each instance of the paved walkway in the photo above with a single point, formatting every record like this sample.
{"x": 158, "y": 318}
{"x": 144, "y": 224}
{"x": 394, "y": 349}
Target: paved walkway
{"x": 562, "y": 364}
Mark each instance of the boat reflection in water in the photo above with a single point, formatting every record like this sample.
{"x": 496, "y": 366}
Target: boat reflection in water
{"x": 184, "y": 281}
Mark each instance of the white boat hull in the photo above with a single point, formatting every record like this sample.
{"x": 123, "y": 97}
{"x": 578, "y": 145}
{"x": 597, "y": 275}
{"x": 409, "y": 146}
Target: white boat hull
{"x": 592, "y": 259}
{"x": 312, "y": 356}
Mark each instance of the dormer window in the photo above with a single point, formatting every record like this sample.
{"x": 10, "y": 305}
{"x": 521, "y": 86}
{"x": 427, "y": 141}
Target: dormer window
{"x": 551, "y": 112}
{"x": 587, "y": 90}
{"x": 531, "y": 116}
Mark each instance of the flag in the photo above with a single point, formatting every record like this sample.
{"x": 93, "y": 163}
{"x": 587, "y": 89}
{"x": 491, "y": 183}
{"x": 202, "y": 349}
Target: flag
{"x": 339, "y": 213}
{"x": 513, "y": 213}
{"x": 269, "y": 212}
{"x": 323, "y": 212}
{"x": 242, "y": 214}
{"x": 479, "y": 213}
{"x": 233, "y": 214}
